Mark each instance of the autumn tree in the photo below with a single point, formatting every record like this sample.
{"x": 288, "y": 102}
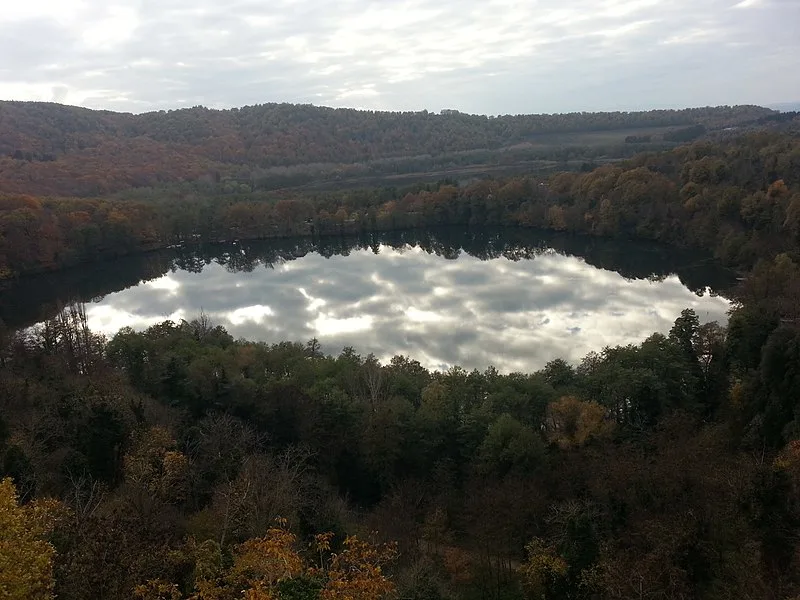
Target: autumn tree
{"x": 273, "y": 566}
{"x": 26, "y": 555}
{"x": 571, "y": 422}
{"x": 543, "y": 570}
{"x": 155, "y": 469}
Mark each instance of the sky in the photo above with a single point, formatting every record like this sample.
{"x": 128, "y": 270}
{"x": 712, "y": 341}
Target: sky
{"x": 477, "y": 56}
{"x": 514, "y": 315}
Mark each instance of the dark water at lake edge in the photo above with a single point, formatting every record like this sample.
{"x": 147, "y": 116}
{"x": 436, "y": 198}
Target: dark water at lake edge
{"x": 400, "y": 286}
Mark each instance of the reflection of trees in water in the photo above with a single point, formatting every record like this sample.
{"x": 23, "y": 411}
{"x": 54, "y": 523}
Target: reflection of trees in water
{"x": 36, "y": 298}
{"x": 33, "y": 299}
{"x": 193, "y": 262}
{"x": 630, "y": 259}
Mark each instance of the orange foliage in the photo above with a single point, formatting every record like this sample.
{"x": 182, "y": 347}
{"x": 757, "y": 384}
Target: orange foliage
{"x": 261, "y": 565}
{"x": 263, "y": 562}
{"x": 357, "y": 571}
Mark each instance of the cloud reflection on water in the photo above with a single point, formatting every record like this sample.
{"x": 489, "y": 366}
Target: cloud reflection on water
{"x": 515, "y": 315}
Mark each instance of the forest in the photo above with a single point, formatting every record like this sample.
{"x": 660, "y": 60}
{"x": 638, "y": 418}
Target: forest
{"x": 736, "y": 198}
{"x": 48, "y": 149}
{"x": 179, "y": 463}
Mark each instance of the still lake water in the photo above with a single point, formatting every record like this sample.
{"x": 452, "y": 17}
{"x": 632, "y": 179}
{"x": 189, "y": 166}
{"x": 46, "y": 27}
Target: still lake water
{"x": 512, "y": 298}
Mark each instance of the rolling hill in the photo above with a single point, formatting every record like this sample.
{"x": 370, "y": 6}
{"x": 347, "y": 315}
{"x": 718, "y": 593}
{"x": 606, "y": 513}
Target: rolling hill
{"x": 52, "y": 149}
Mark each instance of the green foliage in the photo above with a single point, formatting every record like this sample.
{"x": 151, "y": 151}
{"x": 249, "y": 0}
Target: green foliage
{"x": 299, "y": 588}
{"x": 509, "y": 445}
{"x": 687, "y": 134}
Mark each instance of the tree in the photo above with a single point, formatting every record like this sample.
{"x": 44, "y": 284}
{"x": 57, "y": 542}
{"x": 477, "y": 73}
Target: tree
{"x": 780, "y": 377}
{"x": 155, "y": 469}
{"x": 559, "y": 373}
{"x": 571, "y": 422}
{"x": 26, "y": 556}
{"x": 543, "y": 571}
{"x": 685, "y": 332}
{"x": 710, "y": 349}
{"x": 272, "y": 566}
{"x": 509, "y": 445}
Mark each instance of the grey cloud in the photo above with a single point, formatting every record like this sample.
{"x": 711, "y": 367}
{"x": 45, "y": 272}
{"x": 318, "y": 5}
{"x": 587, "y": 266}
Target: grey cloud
{"x": 489, "y": 56}
{"x": 466, "y": 277}
{"x": 25, "y": 55}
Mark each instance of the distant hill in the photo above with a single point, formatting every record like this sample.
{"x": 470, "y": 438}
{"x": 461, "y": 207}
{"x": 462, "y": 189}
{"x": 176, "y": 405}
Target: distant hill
{"x": 48, "y": 148}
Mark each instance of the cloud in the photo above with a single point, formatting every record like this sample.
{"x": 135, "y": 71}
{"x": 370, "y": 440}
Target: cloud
{"x": 515, "y": 315}
{"x": 550, "y": 55}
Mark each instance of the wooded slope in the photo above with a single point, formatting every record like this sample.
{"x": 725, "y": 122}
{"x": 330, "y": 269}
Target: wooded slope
{"x": 52, "y": 149}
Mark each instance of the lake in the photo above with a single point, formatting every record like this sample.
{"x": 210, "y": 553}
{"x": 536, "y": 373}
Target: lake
{"x": 510, "y": 298}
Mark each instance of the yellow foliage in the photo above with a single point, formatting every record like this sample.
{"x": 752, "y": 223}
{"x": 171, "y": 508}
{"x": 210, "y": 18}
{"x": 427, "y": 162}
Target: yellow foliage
{"x": 542, "y": 568}
{"x": 117, "y": 217}
{"x": 322, "y": 542}
{"x": 174, "y": 469}
{"x": 572, "y": 422}
{"x": 258, "y": 593}
{"x": 435, "y": 404}
{"x": 156, "y": 467}
{"x": 26, "y": 557}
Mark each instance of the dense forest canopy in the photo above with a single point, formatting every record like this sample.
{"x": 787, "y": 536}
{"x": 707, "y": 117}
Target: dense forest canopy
{"x": 177, "y": 462}
{"x": 736, "y": 198}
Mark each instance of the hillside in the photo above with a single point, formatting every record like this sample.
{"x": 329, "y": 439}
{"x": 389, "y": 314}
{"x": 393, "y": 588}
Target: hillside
{"x": 736, "y": 198}
{"x": 51, "y": 149}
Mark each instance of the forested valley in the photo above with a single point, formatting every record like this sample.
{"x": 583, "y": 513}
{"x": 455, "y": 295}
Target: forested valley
{"x": 177, "y": 462}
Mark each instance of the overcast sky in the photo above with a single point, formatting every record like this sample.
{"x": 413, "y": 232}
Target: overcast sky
{"x": 481, "y": 56}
